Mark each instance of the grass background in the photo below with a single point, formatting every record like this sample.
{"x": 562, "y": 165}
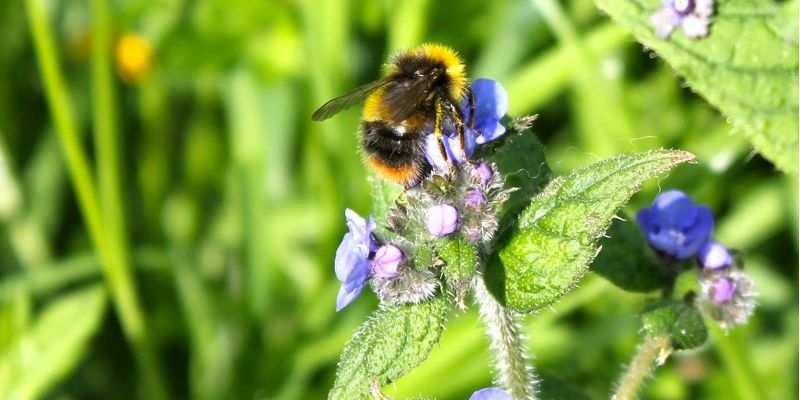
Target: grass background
{"x": 172, "y": 234}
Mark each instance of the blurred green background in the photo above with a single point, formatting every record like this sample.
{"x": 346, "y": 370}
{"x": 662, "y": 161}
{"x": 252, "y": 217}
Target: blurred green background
{"x": 170, "y": 214}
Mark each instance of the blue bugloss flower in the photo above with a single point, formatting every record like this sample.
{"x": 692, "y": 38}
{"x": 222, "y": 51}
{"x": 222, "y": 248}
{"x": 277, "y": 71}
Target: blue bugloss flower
{"x": 352, "y": 264}
{"x": 490, "y": 394}
{"x": 491, "y": 104}
{"x": 675, "y": 225}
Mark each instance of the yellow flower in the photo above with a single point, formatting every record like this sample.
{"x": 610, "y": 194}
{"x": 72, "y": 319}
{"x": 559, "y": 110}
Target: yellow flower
{"x": 134, "y": 58}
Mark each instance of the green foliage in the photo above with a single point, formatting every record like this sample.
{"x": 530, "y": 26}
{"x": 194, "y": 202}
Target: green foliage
{"x": 558, "y": 232}
{"x": 746, "y": 66}
{"x": 390, "y": 344}
{"x": 233, "y": 200}
{"x": 520, "y": 159}
{"x": 460, "y": 260}
{"x": 680, "y": 321}
{"x": 47, "y": 350}
{"x": 626, "y": 260}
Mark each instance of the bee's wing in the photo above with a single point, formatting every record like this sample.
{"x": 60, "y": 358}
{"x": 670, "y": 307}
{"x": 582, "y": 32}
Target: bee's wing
{"x": 347, "y": 100}
{"x": 407, "y": 98}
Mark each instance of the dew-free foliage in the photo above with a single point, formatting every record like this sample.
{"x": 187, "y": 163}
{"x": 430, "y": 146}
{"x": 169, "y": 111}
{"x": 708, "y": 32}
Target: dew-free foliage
{"x": 678, "y": 320}
{"x": 626, "y": 260}
{"x": 390, "y": 344}
{"x": 558, "y": 232}
{"x": 746, "y": 66}
{"x": 52, "y": 345}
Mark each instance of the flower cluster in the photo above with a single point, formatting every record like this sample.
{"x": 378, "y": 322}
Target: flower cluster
{"x": 694, "y": 16}
{"x": 458, "y": 201}
{"x": 678, "y": 229}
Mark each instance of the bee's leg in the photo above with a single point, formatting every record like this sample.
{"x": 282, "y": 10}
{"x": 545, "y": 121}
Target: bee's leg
{"x": 462, "y": 137}
{"x": 437, "y": 130}
{"x": 471, "y": 100}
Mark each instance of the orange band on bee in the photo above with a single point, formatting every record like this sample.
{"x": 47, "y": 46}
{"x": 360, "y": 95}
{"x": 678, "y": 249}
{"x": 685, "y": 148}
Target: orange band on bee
{"x": 403, "y": 175}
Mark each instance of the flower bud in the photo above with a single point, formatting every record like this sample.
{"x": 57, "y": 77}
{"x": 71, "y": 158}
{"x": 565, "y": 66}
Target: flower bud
{"x": 474, "y": 199}
{"x": 484, "y": 173}
{"x": 714, "y": 255}
{"x": 387, "y": 261}
{"x": 441, "y": 220}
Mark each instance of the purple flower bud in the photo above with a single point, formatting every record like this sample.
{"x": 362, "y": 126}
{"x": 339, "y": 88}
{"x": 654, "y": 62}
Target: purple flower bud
{"x": 352, "y": 264}
{"x": 715, "y": 255}
{"x": 441, "y": 220}
{"x": 484, "y": 173}
{"x": 490, "y": 394}
{"x": 387, "y": 261}
{"x": 722, "y": 290}
{"x": 474, "y": 199}
{"x": 675, "y": 225}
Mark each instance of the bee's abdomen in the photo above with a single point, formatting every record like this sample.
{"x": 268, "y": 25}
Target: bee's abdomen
{"x": 397, "y": 156}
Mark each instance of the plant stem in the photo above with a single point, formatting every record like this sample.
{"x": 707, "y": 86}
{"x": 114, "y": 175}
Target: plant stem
{"x": 118, "y": 271}
{"x": 108, "y": 243}
{"x": 652, "y": 352}
{"x": 512, "y": 372}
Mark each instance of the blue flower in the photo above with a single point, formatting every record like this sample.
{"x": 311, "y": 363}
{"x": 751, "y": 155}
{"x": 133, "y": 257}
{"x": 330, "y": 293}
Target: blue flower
{"x": 491, "y": 104}
{"x": 693, "y": 16}
{"x": 352, "y": 263}
{"x": 490, "y": 394}
{"x": 675, "y": 225}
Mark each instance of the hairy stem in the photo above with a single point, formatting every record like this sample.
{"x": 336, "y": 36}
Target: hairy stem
{"x": 652, "y": 352}
{"x": 511, "y": 371}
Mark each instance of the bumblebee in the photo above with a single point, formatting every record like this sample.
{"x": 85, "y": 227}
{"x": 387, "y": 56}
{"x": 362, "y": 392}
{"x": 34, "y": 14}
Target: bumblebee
{"x": 423, "y": 89}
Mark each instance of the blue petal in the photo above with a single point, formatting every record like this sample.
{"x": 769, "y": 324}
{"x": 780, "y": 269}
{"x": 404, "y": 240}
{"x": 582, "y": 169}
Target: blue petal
{"x": 345, "y": 257}
{"x": 346, "y": 296}
{"x": 451, "y": 146}
{"x": 490, "y": 394}
{"x": 491, "y": 104}
{"x": 698, "y": 234}
{"x": 645, "y": 217}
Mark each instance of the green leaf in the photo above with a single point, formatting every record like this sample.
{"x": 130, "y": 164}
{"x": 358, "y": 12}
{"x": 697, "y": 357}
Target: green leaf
{"x": 557, "y": 234}
{"x": 746, "y": 66}
{"x": 388, "y": 345}
{"x": 460, "y": 261}
{"x": 52, "y": 346}
{"x": 384, "y": 195}
{"x": 626, "y": 260}
{"x": 682, "y": 322}
{"x": 520, "y": 159}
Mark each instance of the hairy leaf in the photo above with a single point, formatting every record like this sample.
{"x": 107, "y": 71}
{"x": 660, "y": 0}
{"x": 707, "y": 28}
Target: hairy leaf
{"x": 746, "y": 66}
{"x": 520, "y": 159}
{"x": 460, "y": 261}
{"x": 682, "y": 322}
{"x": 557, "y": 234}
{"x": 388, "y": 345}
{"x": 626, "y": 260}
{"x": 52, "y": 345}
